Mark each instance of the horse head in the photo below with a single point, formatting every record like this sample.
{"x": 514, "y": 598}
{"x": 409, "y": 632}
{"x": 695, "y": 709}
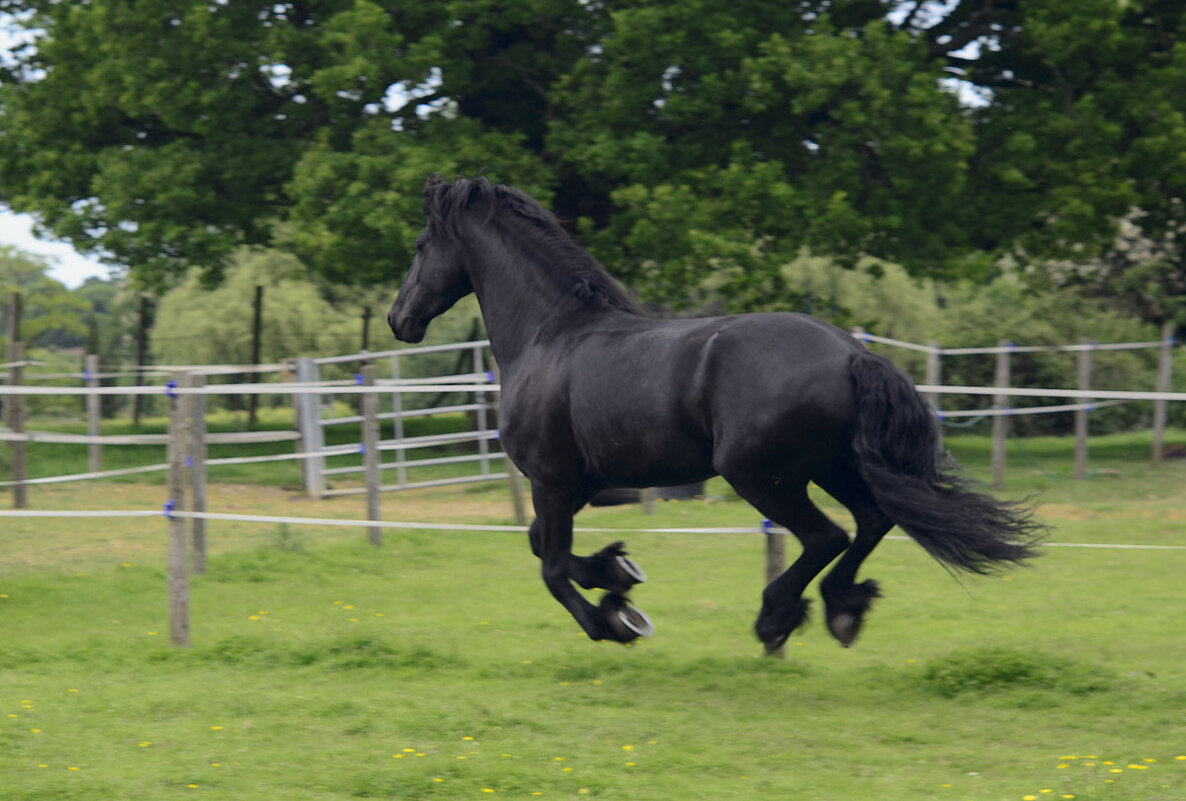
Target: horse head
{"x": 437, "y": 278}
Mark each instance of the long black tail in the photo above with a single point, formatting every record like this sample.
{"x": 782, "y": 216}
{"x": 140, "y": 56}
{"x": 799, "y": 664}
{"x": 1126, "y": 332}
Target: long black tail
{"x": 897, "y": 445}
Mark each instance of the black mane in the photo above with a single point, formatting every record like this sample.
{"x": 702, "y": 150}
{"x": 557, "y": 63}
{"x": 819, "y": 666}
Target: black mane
{"x": 445, "y": 204}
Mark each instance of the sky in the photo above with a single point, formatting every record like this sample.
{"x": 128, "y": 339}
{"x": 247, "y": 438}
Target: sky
{"x": 66, "y": 265}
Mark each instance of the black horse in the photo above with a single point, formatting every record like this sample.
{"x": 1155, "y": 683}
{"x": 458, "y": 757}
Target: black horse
{"x": 597, "y": 394}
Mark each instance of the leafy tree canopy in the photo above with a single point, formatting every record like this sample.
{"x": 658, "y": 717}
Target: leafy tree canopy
{"x": 696, "y": 145}
{"x": 197, "y": 325}
{"x": 50, "y": 313}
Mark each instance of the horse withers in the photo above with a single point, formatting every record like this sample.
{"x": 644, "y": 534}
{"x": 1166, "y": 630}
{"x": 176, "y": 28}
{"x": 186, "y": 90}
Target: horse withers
{"x": 597, "y": 394}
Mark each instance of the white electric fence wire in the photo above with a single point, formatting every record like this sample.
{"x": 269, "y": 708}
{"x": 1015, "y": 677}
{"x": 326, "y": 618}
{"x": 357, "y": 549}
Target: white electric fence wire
{"x": 470, "y": 527}
{"x": 865, "y": 336}
{"x": 318, "y": 388}
{"x": 1013, "y": 412}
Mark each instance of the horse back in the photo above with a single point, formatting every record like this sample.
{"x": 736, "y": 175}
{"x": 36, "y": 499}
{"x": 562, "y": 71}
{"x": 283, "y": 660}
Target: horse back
{"x": 637, "y": 401}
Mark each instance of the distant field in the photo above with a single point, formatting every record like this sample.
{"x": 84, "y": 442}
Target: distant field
{"x": 438, "y": 667}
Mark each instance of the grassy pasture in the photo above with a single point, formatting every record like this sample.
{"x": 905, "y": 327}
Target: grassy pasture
{"x": 438, "y": 667}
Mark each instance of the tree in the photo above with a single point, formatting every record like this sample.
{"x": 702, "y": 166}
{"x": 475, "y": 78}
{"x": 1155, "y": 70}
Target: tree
{"x": 715, "y": 127}
{"x": 695, "y": 145}
{"x": 1085, "y": 129}
{"x": 50, "y": 314}
{"x": 199, "y": 325}
{"x": 163, "y": 135}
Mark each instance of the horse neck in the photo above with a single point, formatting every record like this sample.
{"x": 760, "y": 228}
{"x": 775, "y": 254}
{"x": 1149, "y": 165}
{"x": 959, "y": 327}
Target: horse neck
{"x": 518, "y": 300}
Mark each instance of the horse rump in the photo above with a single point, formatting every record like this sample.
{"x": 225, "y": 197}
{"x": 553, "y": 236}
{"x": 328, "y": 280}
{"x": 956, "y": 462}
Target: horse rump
{"x": 897, "y": 445}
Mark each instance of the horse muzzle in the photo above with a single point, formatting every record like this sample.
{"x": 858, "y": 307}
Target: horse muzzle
{"x": 406, "y": 328}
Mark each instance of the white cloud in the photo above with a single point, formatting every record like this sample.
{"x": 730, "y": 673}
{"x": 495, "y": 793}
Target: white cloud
{"x": 67, "y": 265}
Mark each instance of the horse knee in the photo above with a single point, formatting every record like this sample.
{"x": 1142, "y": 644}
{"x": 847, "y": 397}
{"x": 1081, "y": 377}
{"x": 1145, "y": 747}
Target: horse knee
{"x": 554, "y": 573}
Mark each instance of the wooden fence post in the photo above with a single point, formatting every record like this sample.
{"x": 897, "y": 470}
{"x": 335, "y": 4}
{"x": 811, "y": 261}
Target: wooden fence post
{"x": 94, "y": 413}
{"x": 370, "y": 453}
{"x": 257, "y": 317}
{"x": 15, "y": 414}
{"x": 198, "y": 452}
{"x": 1165, "y": 361}
{"x": 514, "y": 477}
{"x": 934, "y": 374}
{"x": 481, "y": 417}
{"x": 397, "y": 407}
{"x": 308, "y": 414}
{"x": 366, "y": 328}
{"x": 1081, "y": 415}
{"x": 776, "y": 559}
{"x": 179, "y": 424}
{"x": 141, "y": 355}
{"x": 647, "y": 496}
{"x": 1000, "y": 422}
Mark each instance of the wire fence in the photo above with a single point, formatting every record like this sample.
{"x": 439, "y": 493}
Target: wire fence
{"x": 186, "y": 390}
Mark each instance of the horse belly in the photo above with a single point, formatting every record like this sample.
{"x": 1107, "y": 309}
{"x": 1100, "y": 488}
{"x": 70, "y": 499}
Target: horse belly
{"x": 641, "y": 435}
{"x": 648, "y": 458}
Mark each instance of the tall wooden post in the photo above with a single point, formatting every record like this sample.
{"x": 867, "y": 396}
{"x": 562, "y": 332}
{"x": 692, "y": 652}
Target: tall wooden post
{"x": 397, "y": 407}
{"x": 15, "y": 414}
{"x": 308, "y": 414}
{"x": 141, "y": 353}
{"x": 1081, "y": 415}
{"x": 257, "y": 316}
{"x": 1000, "y": 422}
{"x": 94, "y": 413}
{"x": 370, "y": 453}
{"x": 647, "y": 496}
{"x": 934, "y": 374}
{"x": 197, "y": 462}
{"x": 12, "y": 334}
{"x": 481, "y": 417}
{"x": 179, "y": 440}
{"x": 1165, "y": 361}
{"x": 366, "y": 328}
{"x": 514, "y": 477}
{"x": 12, "y": 330}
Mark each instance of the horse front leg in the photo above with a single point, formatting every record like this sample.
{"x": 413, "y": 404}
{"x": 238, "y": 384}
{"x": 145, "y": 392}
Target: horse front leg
{"x": 607, "y": 569}
{"x": 551, "y": 539}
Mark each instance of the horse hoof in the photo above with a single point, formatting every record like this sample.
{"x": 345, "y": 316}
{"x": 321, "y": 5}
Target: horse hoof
{"x": 844, "y": 627}
{"x": 625, "y": 621}
{"x": 631, "y": 569}
{"x": 636, "y": 621}
{"x": 846, "y": 611}
{"x": 772, "y": 647}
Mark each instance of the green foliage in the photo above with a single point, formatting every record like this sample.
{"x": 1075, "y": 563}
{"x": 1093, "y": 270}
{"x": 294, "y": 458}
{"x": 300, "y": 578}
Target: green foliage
{"x": 198, "y": 325}
{"x": 879, "y": 296}
{"x": 722, "y": 127}
{"x": 1008, "y": 309}
{"x": 50, "y": 313}
{"x": 697, "y": 146}
{"x": 358, "y": 211}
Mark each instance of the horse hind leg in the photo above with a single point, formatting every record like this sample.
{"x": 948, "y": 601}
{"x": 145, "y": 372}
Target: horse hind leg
{"x": 783, "y": 607}
{"x": 845, "y": 601}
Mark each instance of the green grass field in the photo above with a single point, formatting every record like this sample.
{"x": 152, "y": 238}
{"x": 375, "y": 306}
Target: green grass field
{"x": 437, "y": 666}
